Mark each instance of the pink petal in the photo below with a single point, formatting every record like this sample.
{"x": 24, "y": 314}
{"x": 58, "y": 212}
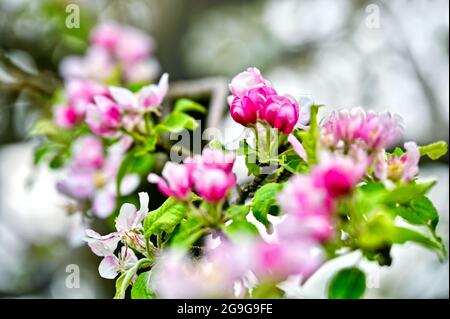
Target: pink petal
{"x": 109, "y": 267}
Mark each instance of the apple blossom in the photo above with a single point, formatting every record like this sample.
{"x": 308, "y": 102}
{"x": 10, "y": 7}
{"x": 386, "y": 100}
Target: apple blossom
{"x": 310, "y": 203}
{"x": 247, "y": 80}
{"x": 398, "y": 168}
{"x": 281, "y": 112}
{"x": 88, "y": 153}
{"x": 375, "y": 131}
{"x": 112, "y": 265}
{"x": 175, "y": 181}
{"x": 213, "y": 184}
{"x": 103, "y": 117}
{"x": 66, "y": 116}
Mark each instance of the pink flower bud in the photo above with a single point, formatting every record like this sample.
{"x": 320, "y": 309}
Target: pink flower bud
{"x": 103, "y": 117}
{"x": 175, "y": 181}
{"x": 213, "y": 184}
{"x": 217, "y": 159}
{"x": 338, "y": 174}
{"x": 247, "y": 80}
{"x": 66, "y": 116}
{"x": 280, "y": 112}
{"x": 106, "y": 35}
{"x": 243, "y": 111}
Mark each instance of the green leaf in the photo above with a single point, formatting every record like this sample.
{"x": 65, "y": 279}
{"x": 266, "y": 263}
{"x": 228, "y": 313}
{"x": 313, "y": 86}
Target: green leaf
{"x": 125, "y": 279}
{"x": 148, "y": 147}
{"x": 251, "y": 158}
{"x": 434, "y": 150}
{"x": 187, "y": 233}
{"x": 398, "y": 152}
{"x": 310, "y": 138}
{"x": 176, "y": 122}
{"x": 165, "y": 218}
{"x": 187, "y": 105}
{"x": 237, "y": 211}
{"x": 239, "y": 227}
{"x": 265, "y": 202}
{"x": 405, "y": 193}
{"x": 141, "y": 287}
{"x": 119, "y": 282}
{"x": 380, "y": 231}
{"x": 420, "y": 211}
{"x": 348, "y": 283}
{"x": 267, "y": 290}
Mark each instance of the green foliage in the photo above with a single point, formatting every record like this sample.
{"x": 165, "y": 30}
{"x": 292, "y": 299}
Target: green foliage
{"x": 405, "y": 193}
{"x": 348, "y": 283}
{"x": 187, "y": 105}
{"x": 240, "y": 227}
{"x": 434, "y": 150}
{"x": 419, "y": 211}
{"x": 188, "y": 232}
{"x": 176, "y": 122}
{"x": 267, "y": 290}
{"x": 125, "y": 279}
{"x": 265, "y": 202}
{"x": 165, "y": 218}
{"x": 311, "y": 138}
{"x": 237, "y": 211}
{"x": 141, "y": 287}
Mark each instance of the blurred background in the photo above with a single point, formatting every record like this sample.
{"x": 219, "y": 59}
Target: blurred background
{"x": 382, "y": 55}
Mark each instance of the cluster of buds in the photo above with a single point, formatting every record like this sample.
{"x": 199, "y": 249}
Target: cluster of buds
{"x": 254, "y": 98}
{"x": 209, "y": 175}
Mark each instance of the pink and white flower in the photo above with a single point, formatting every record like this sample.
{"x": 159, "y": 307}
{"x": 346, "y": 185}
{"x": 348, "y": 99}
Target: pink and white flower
{"x": 246, "y": 80}
{"x": 310, "y": 204}
{"x": 88, "y": 153}
{"x": 398, "y": 168}
{"x": 175, "y": 181}
{"x": 67, "y": 116}
{"x": 375, "y": 131}
{"x": 104, "y": 117}
{"x": 112, "y": 265}
{"x": 213, "y": 184}
{"x": 149, "y": 97}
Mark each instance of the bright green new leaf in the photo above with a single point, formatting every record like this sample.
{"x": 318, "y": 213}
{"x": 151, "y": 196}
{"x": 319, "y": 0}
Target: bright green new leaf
{"x": 165, "y": 218}
{"x": 420, "y": 211}
{"x": 237, "y": 211}
{"x": 141, "y": 287}
{"x": 265, "y": 202}
{"x": 405, "y": 193}
{"x": 240, "y": 227}
{"x": 187, "y": 233}
{"x": 348, "y": 283}
{"x": 434, "y": 150}
{"x": 187, "y": 105}
{"x": 176, "y": 122}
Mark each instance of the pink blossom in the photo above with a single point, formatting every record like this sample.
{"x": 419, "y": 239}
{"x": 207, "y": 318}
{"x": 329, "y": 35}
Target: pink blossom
{"x": 148, "y": 97}
{"x": 112, "y": 265}
{"x": 212, "y": 158}
{"x": 97, "y": 185}
{"x": 247, "y": 80}
{"x": 107, "y": 36}
{"x": 88, "y": 153}
{"x": 177, "y": 276}
{"x": 175, "y": 181}
{"x": 103, "y": 117}
{"x": 281, "y": 112}
{"x": 309, "y": 203}
{"x": 96, "y": 64}
{"x": 213, "y": 184}
{"x": 338, "y": 174}
{"x": 81, "y": 92}
{"x": 245, "y": 110}
{"x": 142, "y": 71}
{"x": 66, "y": 116}
{"x": 128, "y": 227}
{"x": 376, "y": 131}
{"x": 398, "y": 168}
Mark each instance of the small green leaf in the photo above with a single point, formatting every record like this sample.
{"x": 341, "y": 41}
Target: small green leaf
{"x": 434, "y": 150}
{"x": 405, "y": 193}
{"x": 265, "y": 202}
{"x": 141, "y": 287}
{"x": 240, "y": 227}
{"x": 176, "y": 122}
{"x": 148, "y": 147}
{"x": 420, "y": 211}
{"x": 310, "y": 138}
{"x": 187, "y": 105}
{"x": 237, "y": 211}
{"x": 165, "y": 218}
{"x": 398, "y": 152}
{"x": 119, "y": 282}
{"x": 348, "y": 283}
{"x": 267, "y": 290}
{"x": 187, "y": 233}
{"x": 125, "y": 279}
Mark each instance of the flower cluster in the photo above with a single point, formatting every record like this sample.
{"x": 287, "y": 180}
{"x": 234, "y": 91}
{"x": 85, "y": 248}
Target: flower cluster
{"x": 254, "y": 98}
{"x": 209, "y": 174}
{"x": 114, "y": 47}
